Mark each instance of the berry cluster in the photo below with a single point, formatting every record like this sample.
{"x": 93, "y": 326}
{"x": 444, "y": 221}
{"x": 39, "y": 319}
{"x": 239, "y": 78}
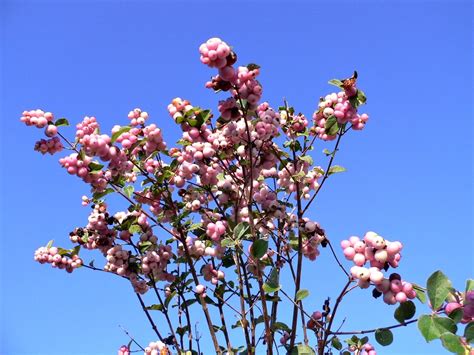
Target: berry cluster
{"x": 52, "y": 256}
{"x": 156, "y": 348}
{"x": 117, "y": 260}
{"x": 380, "y": 254}
{"x": 155, "y": 262}
{"x": 127, "y": 139}
{"x": 216, "y": 230}
{"x": 137, "y": 117}
{"x": 50, "y": 146}
{"x": 214, "y": 53}
{"x": 37, "y": 118}
{"x": 368, "y": 349}
{"x": 314, "y": 237}
{"x": 80, "y": 167}
{"x": 338, "y": 107}
{"x": 465, "y": 302}
{"x": 211, "y": 274}
{"x": 178, "y": 107}
{"x": 289, "y": 176}
{"x": 42, "y": 119}
{"x": 124, "y": 350}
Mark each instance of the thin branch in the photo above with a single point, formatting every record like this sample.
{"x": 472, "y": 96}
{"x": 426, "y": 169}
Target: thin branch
{"x": 326, "y": 173}
{"x": 404, "y": 324}
{"x": 150, "y": 319}
{"x": 131, "y": 337}
{"x": 336, "y": 258}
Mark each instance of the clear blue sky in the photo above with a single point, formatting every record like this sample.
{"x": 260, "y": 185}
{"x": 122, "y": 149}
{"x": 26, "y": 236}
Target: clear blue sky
{"x": 409, "y": 172}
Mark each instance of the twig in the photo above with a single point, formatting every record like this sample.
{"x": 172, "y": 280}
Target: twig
{"x": 131, "y": 338}
{"x": 404, "y": 324}
{"x": 152, "y": 323}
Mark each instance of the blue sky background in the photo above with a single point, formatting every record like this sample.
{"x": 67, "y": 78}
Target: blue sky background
{"x": 409, "y": 172}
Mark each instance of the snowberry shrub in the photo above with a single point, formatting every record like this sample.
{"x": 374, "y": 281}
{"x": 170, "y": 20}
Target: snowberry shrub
{"x": 215, "y": 220}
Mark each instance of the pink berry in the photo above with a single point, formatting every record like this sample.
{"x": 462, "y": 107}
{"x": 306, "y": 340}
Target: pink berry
{"x": 401, "y": 297}
{"x": 451, "y": 306}
{"x": 200, "y": 289}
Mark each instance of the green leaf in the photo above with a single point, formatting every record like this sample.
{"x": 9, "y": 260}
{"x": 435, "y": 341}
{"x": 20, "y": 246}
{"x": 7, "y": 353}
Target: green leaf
{"x": 307, "y": 159}
{"x": 253, "y": 66}
{"x": 98, "y": 195}
{"x": 438, "y": 286}
{"x": 299, "y": 176}
{"x": 452, "y": 343}
{"x": 336, "y": 343}
{"x": 241, "y": 230}
{"x": 155, "y": 307}
{"x": 182, "y": 330}
{"x": 405, "y": 311}
{"x": 384, "y": 336}
{"x": 281, "y": 326}
{"x": 169, "y": 298}
{"x": 420, "y": 293}
{"x": 361, "y": 97}
{"x": 469, "y": 285}
{"x": 302, "y": 349}
{"x": 62, "y": 251}
{"x": 135, "y": 228}
{"x": 432, "y": 326}
{"x": 144, "y": 246}
{"x": 117, "y": 134}
{"x": 469, "y": 332}
{"x": 93, "y": 166}
{"x": 273, "y": 282}
{"x": 327, "y": 152}
{"x": 189, "y": 302}
{"x": 354, "y": 340}
{"x": 227, "y": 242}
{"x": 301, "y": 294}
{"x": 237, "y": 324}
{"x": 259, "y": 248}
{"x": 194, "y": 226}
{"x": 61, "y": 122}
{"x": 75, "y": 250}
{"x": 335, "y": 82}
{"x": 456, "y": 315}
{"x": 336, "y": 169}
{"x": 50, "y": 244}
{"x": 128, "y": 190}
{"x": 331, "y": 127}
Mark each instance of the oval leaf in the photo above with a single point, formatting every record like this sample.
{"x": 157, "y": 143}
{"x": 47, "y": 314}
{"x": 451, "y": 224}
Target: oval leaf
{"x": 259, "y": 248}
{"x": 128, "y": 190}
{"x": 241, "y": 230}
{"x": 469, "y": 285}
{"x": 273, "y": 282}
{"x": 335, "y": 82}
{"x": 336, "y": 343}
{"x": 469, "y": 332}
{"x": 438, "y": 286}
{"x": 61, "y": 122}
{"x": 405, "y": 311}
{"x": 432, "y": 326}
{"x": 331, "y": 127}
{"x": 301, "y": 294}
{"x": 155, "y": 307}
{"x": 302, "y": 350}
{"x": 117, "y": 134}
{"x": 452, "y": 343}
{"x": 384, "y": 336}
{"x": 336, "y": 169}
